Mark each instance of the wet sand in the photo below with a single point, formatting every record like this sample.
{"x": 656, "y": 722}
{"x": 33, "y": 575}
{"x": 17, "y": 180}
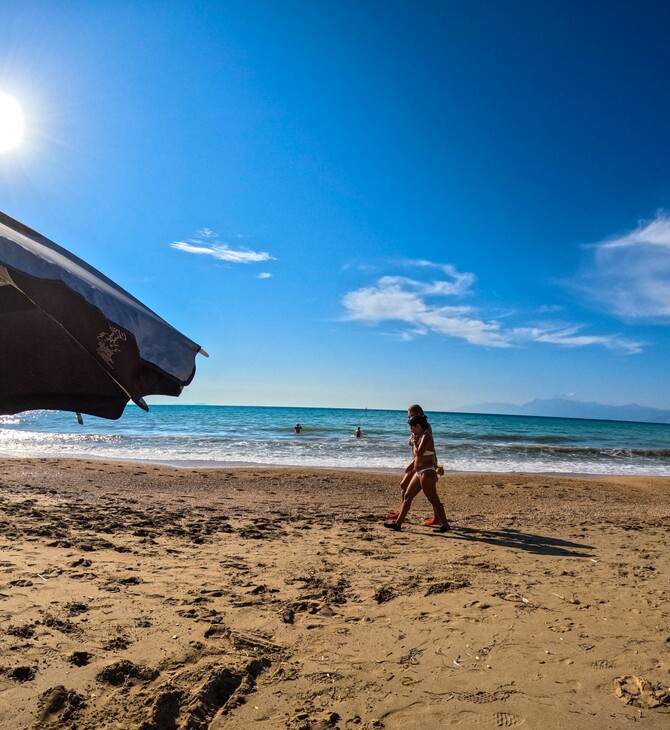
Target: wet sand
{"x": 142, "y": 596}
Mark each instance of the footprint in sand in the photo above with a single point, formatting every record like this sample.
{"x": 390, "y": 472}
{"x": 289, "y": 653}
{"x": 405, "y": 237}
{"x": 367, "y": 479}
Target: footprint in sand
{"x": 603, "y": 664}
{"x": 497, "y": 719}
{"x": 26, "y": 631}
{"x": 80, "y": 658}
{"x": 59, "y": 705}
{"x": 481, "y": 697}
{"x": 118, "y": 643}
{"x": 121, "y": 672}
{"x": 195, "y": 697}
{"x": 22, "y": 674}
{"x": 422, "y": 715}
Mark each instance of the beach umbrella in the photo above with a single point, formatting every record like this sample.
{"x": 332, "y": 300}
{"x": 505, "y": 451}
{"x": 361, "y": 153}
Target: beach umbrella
{"x": 72, "y": 340}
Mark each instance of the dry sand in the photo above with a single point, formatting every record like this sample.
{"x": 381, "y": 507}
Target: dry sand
{"x": 140, "y": 596}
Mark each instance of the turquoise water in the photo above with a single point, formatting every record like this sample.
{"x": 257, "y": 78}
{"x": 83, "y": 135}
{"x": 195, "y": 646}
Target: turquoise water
{"x": 236, "y": 435}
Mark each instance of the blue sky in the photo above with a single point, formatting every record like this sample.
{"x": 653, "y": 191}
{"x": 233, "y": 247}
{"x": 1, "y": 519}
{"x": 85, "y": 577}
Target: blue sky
{"x": 363, "y": 204}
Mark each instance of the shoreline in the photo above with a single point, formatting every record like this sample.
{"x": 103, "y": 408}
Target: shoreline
{"x": 139, "y": 595}
{"x": 198, "y": 464}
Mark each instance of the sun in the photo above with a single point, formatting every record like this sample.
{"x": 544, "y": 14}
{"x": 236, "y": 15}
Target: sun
{"x": 11, "y": 123}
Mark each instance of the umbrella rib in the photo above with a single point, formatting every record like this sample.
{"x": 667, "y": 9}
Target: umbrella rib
{"x": 72, "y": 337}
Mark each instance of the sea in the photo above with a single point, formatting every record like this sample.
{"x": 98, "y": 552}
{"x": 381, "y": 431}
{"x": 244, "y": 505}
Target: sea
{"x": 219, "y": 436}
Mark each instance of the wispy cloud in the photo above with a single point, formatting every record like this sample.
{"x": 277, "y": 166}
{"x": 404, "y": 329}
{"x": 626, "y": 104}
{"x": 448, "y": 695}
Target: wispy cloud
{"x": 389, "y": 300}
{"x": 420, "y": 305}
{"x": 653, "y": 233}
{"x": 206, "y": 242}
{"x": 264, "y": 275}
{"x": 629, "y": 275}
{"x": 457, "y": 283}
{"x": 569, "y": 337}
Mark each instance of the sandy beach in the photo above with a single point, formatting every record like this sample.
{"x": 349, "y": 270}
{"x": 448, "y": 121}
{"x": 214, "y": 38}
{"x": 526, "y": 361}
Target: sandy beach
{"x": 142, "y": 596}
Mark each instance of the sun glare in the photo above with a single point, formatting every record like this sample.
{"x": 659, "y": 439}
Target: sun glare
{"x": 11, "y": 123}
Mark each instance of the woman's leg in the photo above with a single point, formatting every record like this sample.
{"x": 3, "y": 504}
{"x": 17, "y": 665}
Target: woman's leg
{"x": 429, "y": 486}
{"x": 404, "y": 483}
{"x": 413, "y": 488}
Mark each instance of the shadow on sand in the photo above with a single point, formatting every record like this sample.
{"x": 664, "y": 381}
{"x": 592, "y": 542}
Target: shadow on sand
{"x": 535, "y": 544}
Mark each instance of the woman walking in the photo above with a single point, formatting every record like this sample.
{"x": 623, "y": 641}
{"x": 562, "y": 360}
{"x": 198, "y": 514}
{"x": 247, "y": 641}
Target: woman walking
{"x": 424, "y": 476}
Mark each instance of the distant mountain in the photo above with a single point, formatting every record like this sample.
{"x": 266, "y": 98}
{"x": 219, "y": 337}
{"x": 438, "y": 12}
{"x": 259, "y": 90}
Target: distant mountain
{"x": 564, "y": 408}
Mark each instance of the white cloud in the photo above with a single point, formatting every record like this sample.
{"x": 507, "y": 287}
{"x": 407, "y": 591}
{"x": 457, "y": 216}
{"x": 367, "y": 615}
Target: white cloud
{"x": 459, "y": 283}
{"x": 206, "y": 243}
{"x": 264, "y": 275}
{"x": 400, "y": 299}
{"x": 457, "y": 286}
{"x": 568, "y": 337}
{"x": 656, "y": 233}
{"x": 412, "y": 302}
{"x": 357, "y": 265}
{"x": 629, "y": 276}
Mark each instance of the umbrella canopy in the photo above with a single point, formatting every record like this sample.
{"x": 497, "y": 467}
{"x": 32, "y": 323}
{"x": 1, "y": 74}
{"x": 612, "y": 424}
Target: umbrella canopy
{"x": 72, "y": 340}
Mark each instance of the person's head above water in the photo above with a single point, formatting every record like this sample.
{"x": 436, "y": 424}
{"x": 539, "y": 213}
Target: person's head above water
{"x": 415, "y": 410}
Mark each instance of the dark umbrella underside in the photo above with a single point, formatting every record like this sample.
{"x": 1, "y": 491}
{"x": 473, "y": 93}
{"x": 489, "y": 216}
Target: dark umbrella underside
{"x": 58, "y": 351}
